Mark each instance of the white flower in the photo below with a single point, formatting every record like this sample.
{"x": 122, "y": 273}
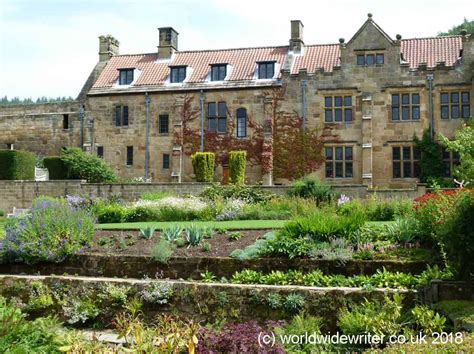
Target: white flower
{"x": 190, "y": 203}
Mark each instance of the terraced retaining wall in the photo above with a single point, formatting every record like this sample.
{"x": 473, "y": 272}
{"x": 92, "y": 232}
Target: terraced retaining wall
{"x": 203, "y": 301}
{"x": 192, "y": 267}
{"x": 20, "y": 194}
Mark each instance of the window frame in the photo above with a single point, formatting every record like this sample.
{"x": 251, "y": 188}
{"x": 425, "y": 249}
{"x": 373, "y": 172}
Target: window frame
{"x": 451, "y": 106}
{"x": 242, "y": 119}
{"x": 129, "y": 157}
{"x": 66, "y": 121}
{"x": 411, "y": 164}
{"x": 176, "y": 78}
{"x": 162, "y": 125}
{"x": 336, "y": 109}
{"x": 218, "y": 67}
{"x": 126, "y": 76}
{"x": 401, "y": 107}
{"x": 450, "y": 162}
{"x": 362, "y": 59}
{"x": 263, "y": 67}
{"x": 122, "y": 116}
{"x": 100, "y": 151}
{"x": 166, "y": 162}
{"x": 216, "y": 117}
{"x": 346, "y": 164}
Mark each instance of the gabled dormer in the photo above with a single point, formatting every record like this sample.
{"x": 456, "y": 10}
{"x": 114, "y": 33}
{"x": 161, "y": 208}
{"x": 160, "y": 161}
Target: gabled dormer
{"x": 370, "y": 47}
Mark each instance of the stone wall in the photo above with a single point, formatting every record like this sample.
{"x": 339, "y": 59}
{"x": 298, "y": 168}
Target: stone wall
{"x": 202, "y": 301}
{"x": 39, "y": 127}
{"x": 372, "y": 133}
{"x": 20, "y": 194}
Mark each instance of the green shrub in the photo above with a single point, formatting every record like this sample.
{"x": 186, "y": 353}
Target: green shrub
{"x": 142, "y": 213}
{"x": 375, "y": 317}
{"x": 277, "y": 208}
{"x": 457, "y": 236}
{"x": 237, "y": 164}
{"x": 17, "y": 165}
{"x": 254, "y": 250}
{"x": 247, "y": 194}
{"x": 109, "y": 213}
{"x": 162, "y": 251}
{"x": 2, "y": 213}
{"x": 310, "y": 187}
{"x": 203, "y": 166}
{"x": 56, "y": 167}
{"x": 82, "y": 165}
{"x": 17, "y": 335}
{"x": 51, "y": 231}
{"x": 403, "y": 230}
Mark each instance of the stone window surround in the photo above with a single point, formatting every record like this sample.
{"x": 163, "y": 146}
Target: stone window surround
{"x": 376, "y": 53}
{"x": 122, "y": 114}
{"x": 217, "y": 116}
{"x": 410, "y": 105}
{"x": 344, "y": 161}
{"x": 413, "y": 162}
{"x": 450, "y": 160}
{"x": 449, "y": 90}
{"x": 324, "y": 94}
{"x": 160, "y": 125}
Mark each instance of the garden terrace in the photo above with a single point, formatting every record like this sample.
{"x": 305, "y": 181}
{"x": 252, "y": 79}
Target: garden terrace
{"x": 136, "y": 266}
{"x": 203, "y": 301}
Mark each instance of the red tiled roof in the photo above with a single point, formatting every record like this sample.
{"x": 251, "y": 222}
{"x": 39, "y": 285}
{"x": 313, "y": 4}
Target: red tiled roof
{"x": 431, "y": 50}
{"x": 243, "y": 62}
{"x": 317, "y": 57}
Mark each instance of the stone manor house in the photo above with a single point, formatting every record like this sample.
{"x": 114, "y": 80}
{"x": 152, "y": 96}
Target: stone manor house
{"x": 373, "y": 94}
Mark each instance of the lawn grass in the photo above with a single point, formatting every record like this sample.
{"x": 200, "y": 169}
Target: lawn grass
{"x": 229, "y": 225}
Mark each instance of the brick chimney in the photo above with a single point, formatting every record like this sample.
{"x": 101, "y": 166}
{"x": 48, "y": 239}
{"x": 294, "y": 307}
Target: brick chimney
{"x": 168, "y": 43}
{"x": 296, "y": 40}
{"x": 108, "y": 46}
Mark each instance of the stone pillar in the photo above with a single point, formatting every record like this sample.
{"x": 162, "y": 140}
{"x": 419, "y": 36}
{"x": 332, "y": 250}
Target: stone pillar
{"x": 367, "y": 148}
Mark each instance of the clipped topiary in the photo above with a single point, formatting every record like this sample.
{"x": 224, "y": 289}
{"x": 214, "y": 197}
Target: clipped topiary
{"x": 56, "y": 167}
{"x": 17, "y": 165}
{"x": 82, "y": 165}
{"x": 203, "y": 165}
{"x": 237, "y": 164}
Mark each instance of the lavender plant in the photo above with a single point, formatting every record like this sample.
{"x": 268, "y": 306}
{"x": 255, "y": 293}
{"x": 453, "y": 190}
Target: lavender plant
{"x": 51, "y": 231}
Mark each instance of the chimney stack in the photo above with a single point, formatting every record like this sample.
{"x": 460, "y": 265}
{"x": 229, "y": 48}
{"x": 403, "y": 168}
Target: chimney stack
{"x": 168, "y": 43}
{"x": 108, "y": 46}
{"x": 296, "y": 40}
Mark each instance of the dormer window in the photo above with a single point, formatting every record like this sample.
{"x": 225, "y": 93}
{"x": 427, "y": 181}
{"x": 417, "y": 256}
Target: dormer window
{"x": 126, "y": 76}
{"x": 266, "y": 70}
{"x": 218, "y": 72}
{"x": 178, "y": 74}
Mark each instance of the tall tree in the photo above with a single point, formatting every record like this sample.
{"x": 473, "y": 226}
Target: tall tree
{"x": 467, "y": 25}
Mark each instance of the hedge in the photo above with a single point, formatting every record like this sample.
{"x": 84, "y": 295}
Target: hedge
{"x": 237, "y": 163}
{"x": 17, "y": 165}
{"x": 56, "y": 167}
{"x": 82, "y": 165}
{"x": 203, "y": 166}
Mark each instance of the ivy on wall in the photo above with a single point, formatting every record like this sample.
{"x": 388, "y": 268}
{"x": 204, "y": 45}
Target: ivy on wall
{"x": 431, "y": 162}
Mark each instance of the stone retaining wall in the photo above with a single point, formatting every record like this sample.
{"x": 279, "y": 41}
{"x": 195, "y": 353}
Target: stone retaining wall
{"x": 20, "y": 194}
{"x": 202, "y": 301}
{"x": 126, "y": 266}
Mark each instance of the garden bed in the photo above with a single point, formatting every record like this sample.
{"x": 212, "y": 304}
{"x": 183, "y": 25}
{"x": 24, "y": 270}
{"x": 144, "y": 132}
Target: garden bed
{"x": 220, "y": 244}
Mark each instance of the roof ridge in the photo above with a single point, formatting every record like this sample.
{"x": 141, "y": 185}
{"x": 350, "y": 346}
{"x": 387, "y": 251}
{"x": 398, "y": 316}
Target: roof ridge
{"x": 434, "y": 37}
{"x": 207, "y": 50}
{"x": 228, "y": 49}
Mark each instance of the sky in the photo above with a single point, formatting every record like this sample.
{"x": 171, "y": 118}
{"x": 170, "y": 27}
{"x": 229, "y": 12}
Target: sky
{"x": 49, "y": 47}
